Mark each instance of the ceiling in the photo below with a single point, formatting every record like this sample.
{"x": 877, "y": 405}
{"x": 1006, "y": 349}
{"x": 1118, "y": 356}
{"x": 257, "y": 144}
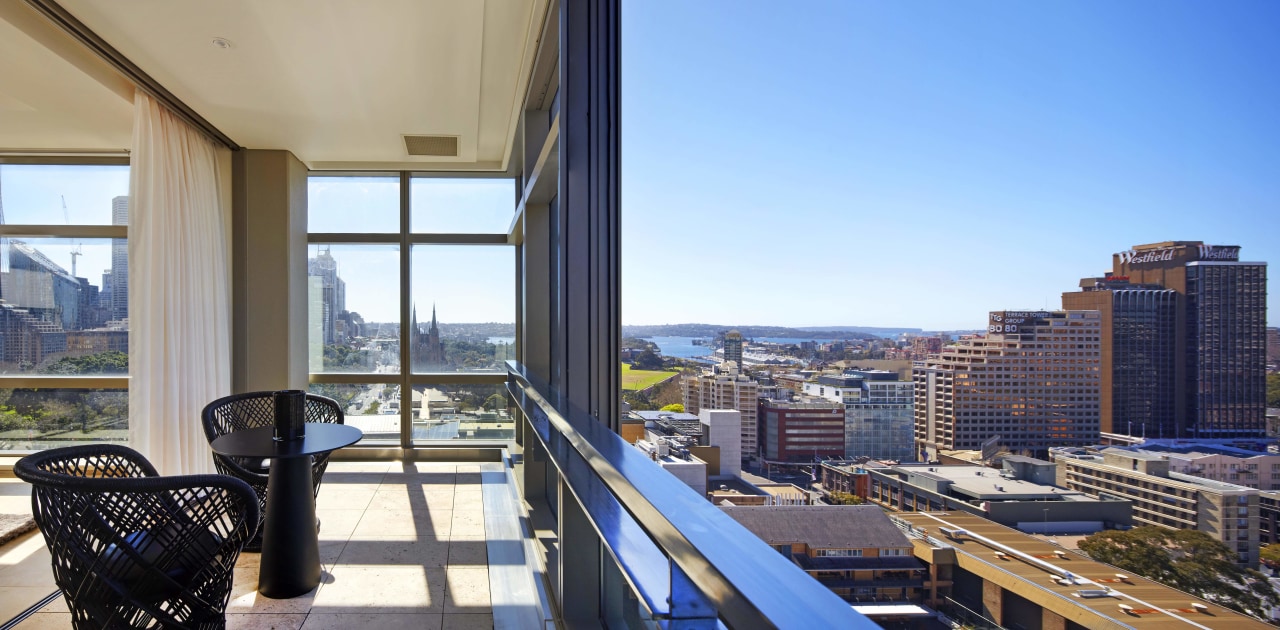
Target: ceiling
{"x": 54, "y": 94}
{"x": 333, "y": 81}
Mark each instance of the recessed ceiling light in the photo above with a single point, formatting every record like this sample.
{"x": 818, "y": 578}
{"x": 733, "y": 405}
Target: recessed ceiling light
{"x": 219, "y": 42}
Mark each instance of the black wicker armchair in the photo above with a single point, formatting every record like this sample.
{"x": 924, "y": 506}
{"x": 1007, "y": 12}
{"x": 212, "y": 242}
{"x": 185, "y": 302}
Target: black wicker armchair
{"x": 132, "y": 549}
{"x": 250, "y": 411}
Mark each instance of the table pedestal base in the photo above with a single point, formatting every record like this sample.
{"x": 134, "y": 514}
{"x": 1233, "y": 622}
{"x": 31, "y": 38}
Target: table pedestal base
{"x": 290, "y": 546}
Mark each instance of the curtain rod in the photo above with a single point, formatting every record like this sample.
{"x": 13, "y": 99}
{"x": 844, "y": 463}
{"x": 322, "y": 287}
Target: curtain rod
{"x": 64, "y": 20}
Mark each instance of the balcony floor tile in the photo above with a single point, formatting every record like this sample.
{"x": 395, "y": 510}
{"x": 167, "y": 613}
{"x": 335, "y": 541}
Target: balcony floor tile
{"x": 401, "y": 545}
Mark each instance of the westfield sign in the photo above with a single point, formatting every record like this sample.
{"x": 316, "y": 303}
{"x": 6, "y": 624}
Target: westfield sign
{"x": 1219, "y": 252}
{"x": 1131, "y": 257}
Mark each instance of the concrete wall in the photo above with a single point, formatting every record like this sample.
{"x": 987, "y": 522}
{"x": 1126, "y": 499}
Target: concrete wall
{"x": 723, "y": 428}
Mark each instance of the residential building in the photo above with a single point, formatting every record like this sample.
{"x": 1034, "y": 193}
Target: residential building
{"x": 1273, "y": 346}
{"x": 1031, "y": 382}
{"x": 1160, "y": 496}
{"x": 855, "y": 551}
{"x": 1219, "y": 462}
{"x": 1139, "y": 386}
{"x": 724, "y": 387}
{"x": 922, "y": 347}
{"x": 803, "y": 430}
{"x": 1022, "y": 495}
{"x": 846, "y": 477}
{"x": 733, "y": 347}
{"x": 1221, "y": 346}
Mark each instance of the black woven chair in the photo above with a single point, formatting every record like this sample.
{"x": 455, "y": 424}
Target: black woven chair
{"x": 250, "y": 411}
{"x": 132, "y": 549}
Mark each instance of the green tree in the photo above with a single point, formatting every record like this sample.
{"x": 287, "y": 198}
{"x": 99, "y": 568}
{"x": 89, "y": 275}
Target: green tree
{"x": 109, "y": 362}
{"x": 374, "y": 406}
{"x": 674, "y": 407}
{"x": 647, "y": 360}
{"x": 1270, "y": 556}
{"x": 1187, "y": 560}
{"x": 1273, "y": 390}
{"x": 844, "y": 498}
{"x": 495, "y": 402}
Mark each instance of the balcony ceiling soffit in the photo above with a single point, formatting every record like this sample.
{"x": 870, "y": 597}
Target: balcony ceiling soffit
{"x": 54, "y": 94}
{"x": 338, "y": 82}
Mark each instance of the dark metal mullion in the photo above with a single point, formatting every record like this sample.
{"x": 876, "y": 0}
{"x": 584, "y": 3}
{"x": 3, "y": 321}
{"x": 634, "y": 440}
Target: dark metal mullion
{"x": 406, "y": 367}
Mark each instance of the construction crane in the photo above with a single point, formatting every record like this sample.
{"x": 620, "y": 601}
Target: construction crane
{"x": 79, "y": 250}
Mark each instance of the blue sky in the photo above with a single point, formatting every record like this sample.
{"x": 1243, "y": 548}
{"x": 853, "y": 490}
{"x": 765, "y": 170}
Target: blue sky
{"x": 921, "y": 163}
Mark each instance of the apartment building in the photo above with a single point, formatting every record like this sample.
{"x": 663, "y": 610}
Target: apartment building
{"x": 1160, "y": 496}
{"x": 725, "y": 387}
{"x": 1032, "y": 382}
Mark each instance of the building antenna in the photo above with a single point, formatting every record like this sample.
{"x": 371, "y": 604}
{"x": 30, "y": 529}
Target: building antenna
{"x": 79, "y": 250}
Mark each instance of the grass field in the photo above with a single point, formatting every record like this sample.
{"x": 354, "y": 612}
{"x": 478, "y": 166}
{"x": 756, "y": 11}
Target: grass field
{"x": 636, "y": 380}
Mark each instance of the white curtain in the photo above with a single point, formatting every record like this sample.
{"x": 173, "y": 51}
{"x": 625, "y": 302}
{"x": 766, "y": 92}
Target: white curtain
{"x": 179, "y": 280}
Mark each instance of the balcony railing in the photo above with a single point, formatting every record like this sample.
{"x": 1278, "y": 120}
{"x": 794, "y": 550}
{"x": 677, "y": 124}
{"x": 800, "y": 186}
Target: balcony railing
{"x": 689, "y": 563}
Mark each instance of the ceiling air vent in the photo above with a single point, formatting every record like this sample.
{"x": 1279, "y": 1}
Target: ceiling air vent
{"x": 436, "y": 146}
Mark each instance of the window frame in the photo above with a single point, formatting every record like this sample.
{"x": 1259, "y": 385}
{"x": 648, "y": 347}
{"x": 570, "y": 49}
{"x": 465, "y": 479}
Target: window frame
{"x": 91, "y": 382}
{"x": 406, "y": 239}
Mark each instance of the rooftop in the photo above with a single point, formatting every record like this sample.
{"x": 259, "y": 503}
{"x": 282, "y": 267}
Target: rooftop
{"x": 821, "y": 526}
{"x": 1029, "y": 569}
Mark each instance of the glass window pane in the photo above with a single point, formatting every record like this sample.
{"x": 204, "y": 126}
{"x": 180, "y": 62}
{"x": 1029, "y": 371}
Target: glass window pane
{"x": 461, "y": 206}
{"x": 37, "y": 419}
{"x": 463, "y": 305}
{"x": 374, "y": 409}
{"x": 353, "y": 308}
{"x": 353, "y": 204}
{"x": 64, "y": 194}
{"x": 461, "y": 412}
{"x": 63, "y": 306}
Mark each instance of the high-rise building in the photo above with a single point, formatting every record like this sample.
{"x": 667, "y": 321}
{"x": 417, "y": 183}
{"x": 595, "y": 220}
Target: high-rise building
{"x": 733, "y": 347}
{"x": 922, "y": 347}
{"x": 327, "y": 287}
{"x": 1140, "y": 367}
{"x": 1273, "y": 345}
{"x": 119, "y": 261}
{"x": 1220, "y": 344}
{"x": 1032, "y": 381}
{"x": 725, "y": 388}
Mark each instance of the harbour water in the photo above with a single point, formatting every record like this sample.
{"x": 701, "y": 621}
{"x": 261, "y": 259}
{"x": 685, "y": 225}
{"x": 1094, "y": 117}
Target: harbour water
{"x": 682, "y": 347}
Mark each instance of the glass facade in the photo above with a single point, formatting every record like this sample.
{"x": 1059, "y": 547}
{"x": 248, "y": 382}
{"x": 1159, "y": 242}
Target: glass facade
{"x": 64, "y": 304}
{"x": 1226, "y": 349}
{"x": 366, "y": 271}
{"x": 1143, "y": 374}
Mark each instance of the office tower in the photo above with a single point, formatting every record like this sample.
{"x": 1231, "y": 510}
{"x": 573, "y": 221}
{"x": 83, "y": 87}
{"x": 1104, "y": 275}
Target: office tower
{"x": 1139, "y": 369}
{"x": 804, "y": 430}
{"x": 726, "y": 389}
{"x": 1220, "y": 345}
{"x": 329, "y": 289}
{"x": 879, "y": 420}
{"x": 733, "y": 347}
{"x": 119, "y": 261}
{"x": 1032, "y": 381}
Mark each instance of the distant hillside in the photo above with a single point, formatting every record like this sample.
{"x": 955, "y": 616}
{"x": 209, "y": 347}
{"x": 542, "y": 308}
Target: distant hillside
{"x": 870, "y": 330}
{"x": 750, "y": 332}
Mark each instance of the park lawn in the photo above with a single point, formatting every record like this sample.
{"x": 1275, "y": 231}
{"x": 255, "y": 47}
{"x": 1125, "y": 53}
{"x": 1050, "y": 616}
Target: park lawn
{"x": 636, "y": 380}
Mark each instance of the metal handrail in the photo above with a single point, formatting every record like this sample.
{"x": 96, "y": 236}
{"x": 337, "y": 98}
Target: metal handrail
{"x": 655, "y": 526}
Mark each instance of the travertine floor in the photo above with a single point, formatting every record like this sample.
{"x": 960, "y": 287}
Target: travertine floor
{"x": 402, "y": 546}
